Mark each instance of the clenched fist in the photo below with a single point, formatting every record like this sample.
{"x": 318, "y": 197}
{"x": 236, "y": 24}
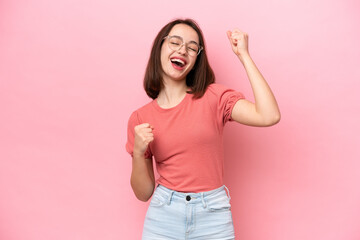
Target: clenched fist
{"x": 143, "y": 136}
{"x": 239, "y": 42}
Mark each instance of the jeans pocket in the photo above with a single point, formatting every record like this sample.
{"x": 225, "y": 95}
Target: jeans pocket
{"x": 219, "y": 204}
{"x": 157, "y": 200}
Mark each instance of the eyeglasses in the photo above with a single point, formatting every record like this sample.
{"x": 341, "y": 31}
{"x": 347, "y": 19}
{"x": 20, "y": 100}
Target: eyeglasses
{"x": 176, "y": 42}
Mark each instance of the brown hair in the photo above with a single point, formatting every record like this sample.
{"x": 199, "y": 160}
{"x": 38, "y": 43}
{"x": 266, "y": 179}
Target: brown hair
{"x": 198, "y": 79}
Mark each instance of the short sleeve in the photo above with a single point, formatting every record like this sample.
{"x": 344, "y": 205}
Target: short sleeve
{"x": 224, "y": 100}
{"x": 134, "y": 121}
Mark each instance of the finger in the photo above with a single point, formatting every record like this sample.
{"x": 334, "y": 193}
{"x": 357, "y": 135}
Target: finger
{"x": 149, "y": 140}
{"x": 143, "y": 125}
{"x": 228, "y": 33}
{"x": 145, "y": 130}
{"x": 233, "y": 42}
{"x": 146, "y": 140}
{"x": 237, "y": 35}
{"x": 147, "y": 135}
{"x": 230, "y": 36}
{"x": 236, "y": 30}
{"x": 149, "y": 127}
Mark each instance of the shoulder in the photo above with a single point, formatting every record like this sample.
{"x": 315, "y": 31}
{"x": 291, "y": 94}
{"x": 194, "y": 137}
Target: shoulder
{"x": 222, "y": 95}
{"x": 213, "y": 94}
{"x": 145, "y": 108}
{"x": 141, "y": 111}
{"x": 215, "y": 87}
{"x": 216, "y": 90}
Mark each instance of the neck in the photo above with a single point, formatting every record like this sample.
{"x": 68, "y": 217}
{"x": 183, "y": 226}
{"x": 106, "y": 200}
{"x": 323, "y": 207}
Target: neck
{"x": 172, "y": 93}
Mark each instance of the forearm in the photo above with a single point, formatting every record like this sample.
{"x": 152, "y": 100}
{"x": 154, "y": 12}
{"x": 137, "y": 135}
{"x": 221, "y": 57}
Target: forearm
{"x": 265, "y": 102}
{"x": 142, "y": 177}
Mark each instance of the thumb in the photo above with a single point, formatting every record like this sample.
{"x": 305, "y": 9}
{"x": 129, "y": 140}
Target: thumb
{"x": 228, "y": 34}
{"x": 232, "y": 41}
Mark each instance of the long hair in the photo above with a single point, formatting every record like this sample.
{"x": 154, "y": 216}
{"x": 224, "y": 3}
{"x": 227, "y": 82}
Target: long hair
{"x": 198, "y": 79}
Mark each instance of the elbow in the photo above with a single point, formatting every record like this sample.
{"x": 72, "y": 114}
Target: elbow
{"x": 274, "y": 119}
{"x": 143, "y": 193}
{"x": 277, "y": 118}
{"x": 143, "y": 198}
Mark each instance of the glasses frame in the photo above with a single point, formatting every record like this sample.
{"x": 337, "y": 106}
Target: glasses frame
{"x": 184, "y": 44}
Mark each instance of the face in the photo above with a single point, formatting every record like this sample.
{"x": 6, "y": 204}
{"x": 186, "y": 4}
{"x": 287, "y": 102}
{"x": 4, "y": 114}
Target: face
{"x": 176, "y": 64}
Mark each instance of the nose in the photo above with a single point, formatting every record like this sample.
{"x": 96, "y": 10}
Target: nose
{"x": 182, "y": 49}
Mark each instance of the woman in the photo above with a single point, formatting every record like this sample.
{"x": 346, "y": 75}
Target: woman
{"x": 182, "y": 128}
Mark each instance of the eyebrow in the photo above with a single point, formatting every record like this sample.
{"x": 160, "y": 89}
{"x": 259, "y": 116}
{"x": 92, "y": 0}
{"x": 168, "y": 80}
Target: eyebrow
{"x": 192, "y": 41}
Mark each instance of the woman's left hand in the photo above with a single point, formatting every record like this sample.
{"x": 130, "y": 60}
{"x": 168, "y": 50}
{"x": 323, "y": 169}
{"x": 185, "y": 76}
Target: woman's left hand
{"x": 239, "y": 42}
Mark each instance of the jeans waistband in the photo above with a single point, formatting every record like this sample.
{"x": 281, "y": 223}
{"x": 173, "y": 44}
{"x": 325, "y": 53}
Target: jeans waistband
{"x": 191, "y": 197}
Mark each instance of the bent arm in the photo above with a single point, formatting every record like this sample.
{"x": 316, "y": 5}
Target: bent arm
{"x": 142, "y": 177}
{"x": 265, "y": 111}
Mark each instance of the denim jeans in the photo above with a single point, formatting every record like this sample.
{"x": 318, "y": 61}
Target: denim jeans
{"x": 185, "y": 216}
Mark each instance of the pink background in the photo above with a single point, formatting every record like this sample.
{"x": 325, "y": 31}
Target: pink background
{"x": 71, "y": 74}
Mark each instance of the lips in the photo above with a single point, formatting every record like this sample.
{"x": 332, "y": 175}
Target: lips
{"x": 178, "y": 62}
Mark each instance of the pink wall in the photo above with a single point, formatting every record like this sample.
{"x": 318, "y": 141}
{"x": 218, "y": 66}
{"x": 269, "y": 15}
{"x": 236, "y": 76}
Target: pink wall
{"x": 71, "y": 74}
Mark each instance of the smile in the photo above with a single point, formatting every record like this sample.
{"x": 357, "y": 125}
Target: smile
{"x": 178, "y": 63}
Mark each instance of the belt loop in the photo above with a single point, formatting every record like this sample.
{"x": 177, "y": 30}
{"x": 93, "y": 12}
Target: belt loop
{"x": 228, "y": 192}
{"x": 203, "y": 200}
{"x": 170, "y": 196}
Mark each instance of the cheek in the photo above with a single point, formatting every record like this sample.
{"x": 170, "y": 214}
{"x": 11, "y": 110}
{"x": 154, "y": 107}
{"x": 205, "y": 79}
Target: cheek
{"x": 164, "y": 55}
{"x": 193, "y": 64}
{"x": 163, "y": 61}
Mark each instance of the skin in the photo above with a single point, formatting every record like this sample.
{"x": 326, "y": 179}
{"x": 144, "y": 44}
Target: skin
{"x": 175, "y": 80}
{"x": 264, "y": 112}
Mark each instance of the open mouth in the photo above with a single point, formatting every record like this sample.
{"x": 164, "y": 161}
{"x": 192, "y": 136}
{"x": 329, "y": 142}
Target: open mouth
{"x": 178, "y": 63}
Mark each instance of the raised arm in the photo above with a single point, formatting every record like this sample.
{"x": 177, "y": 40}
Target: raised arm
{"x": 265, "y": 111}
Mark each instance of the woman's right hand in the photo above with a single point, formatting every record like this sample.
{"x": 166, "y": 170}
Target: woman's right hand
{"x": 143, "y": 136}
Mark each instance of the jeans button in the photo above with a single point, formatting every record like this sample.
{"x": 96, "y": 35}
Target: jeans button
{"x": 188, "y": 198}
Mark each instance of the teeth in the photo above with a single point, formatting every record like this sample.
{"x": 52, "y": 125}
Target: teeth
{"x": 178, "y": 60}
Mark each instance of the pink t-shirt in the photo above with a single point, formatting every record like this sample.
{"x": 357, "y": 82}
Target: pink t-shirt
{"x": 188, "y": 139}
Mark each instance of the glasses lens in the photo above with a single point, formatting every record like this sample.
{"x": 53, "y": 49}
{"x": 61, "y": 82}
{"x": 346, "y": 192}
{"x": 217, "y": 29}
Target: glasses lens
{"x": 175, "y": 42}
{"x": 192, "y": 48}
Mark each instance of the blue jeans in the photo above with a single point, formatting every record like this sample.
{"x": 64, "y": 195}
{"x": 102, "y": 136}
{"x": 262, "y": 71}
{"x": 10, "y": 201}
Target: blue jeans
{"x": 186, "y": 216}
